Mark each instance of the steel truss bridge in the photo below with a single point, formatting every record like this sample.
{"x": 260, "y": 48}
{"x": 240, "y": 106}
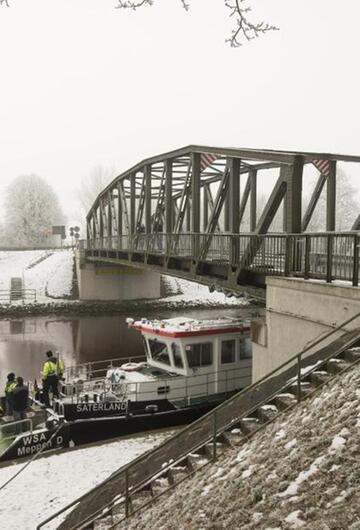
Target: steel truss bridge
{"x": 184, "y": 213}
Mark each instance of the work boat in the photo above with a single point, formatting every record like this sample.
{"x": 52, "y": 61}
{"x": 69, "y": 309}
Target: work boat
{"x": 189, "y": 367}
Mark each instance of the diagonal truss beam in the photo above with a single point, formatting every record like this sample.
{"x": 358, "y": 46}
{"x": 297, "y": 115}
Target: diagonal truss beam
{"x": 124, "y": 208}
{"x": 313, "y": 201}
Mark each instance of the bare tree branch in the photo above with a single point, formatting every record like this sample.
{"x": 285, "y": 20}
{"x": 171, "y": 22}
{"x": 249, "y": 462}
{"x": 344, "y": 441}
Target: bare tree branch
{"x": 244, "y": 27}
{"x": 135, "y": 4}
{"x": 129, "y": 4}
{"x": 245, "y": 30}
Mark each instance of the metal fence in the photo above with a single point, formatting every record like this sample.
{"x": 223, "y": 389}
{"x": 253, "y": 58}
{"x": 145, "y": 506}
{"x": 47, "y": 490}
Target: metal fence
{"x": 328, "y": 256}
{"x": 11, "y": 295}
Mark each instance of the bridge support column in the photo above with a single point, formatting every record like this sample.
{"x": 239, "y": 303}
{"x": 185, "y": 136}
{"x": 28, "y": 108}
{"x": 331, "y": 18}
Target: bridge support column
{"x": 298, "y": 312}
{"x": 104, "y": 281}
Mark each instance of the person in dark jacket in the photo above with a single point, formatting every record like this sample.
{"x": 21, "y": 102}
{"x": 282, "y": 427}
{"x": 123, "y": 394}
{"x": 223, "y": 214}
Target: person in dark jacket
{"x": 20, "y": 399}
{"x": 50, "y": 377}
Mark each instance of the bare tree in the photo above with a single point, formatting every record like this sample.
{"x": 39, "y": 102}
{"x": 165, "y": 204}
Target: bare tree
{"x": 92, "y": 185}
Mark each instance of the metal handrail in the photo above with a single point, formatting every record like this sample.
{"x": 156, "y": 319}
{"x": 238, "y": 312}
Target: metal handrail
{"x": 189, "y": 383}
{"x": 27, "y": 421}
{"x": 22, "y": 294}
{"x": 90, "y": 364}
{"x": 214, "y": 413}
{"x": 294, "y": 255}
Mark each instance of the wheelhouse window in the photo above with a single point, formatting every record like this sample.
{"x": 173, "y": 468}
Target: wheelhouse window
{"x": 199, "y": 354}
{"x": 176, "y": 351}
{"x": 228, "y": 349}
{"x": 159, "y": 351}
{"x": 245, "y": 349}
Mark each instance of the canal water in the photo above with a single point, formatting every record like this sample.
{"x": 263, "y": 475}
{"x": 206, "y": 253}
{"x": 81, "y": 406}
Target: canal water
{"x": 23, "y": 342}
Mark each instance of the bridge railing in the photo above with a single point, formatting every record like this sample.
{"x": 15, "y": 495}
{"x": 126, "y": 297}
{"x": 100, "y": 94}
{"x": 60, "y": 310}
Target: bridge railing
{"x": 326, "y": 255}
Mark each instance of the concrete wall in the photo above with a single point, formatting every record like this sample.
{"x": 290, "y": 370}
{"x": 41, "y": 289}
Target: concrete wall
{"x": 297, "y": 312}
{"x": 102, "y": 281}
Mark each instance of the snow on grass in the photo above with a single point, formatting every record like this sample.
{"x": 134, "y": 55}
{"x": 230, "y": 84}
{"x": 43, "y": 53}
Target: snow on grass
{"x": 337, "y": 444}
{"x": 312, "y": 487}
{"x": 292, "y": 489}
{"x": 294, "y": 519}
{"x": 49, "y": 272}
{"x": 50, "y": 483}
{"x": 193, "y": 293}
{"x": 291, "y": 444}
{"x": 53, "y": 277}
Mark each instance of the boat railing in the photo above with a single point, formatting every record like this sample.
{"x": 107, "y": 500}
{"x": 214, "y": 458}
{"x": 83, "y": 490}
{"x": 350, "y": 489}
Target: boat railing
{"x": 94, "y": 368}
{"x": 15, "y": 427}
{"x": 173, "y": 388}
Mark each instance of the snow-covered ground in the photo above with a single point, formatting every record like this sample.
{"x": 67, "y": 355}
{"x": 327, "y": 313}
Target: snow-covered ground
{"x": 193, "y": 294}
{"x": 50, "y": 272}
{"x": 302, "y": 471}
{"x": 50, "y": 483}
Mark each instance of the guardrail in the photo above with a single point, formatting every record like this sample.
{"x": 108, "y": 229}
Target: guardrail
{"x": 327, "y": 255}
{"x": 15, "y": 428}
{"x": 12, "y": 295}
{"x": 93, "y": 369}
{"x": 206, "y": 429}
{"x": 175, "y": 388}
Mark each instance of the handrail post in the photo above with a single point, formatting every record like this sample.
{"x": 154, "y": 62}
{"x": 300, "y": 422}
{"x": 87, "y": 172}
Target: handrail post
{"x": 298, "y": 391}
{"x": 127, "y": 493}
{"x": 287, "y": 255}
{"x": 355, "y": 278}
{"x": 214, "y": 433}
{"x": 307, "y": 257}
{"x": 329, "y": 258}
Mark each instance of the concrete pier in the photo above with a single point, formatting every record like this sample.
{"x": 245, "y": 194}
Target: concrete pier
{"x": 103, "y": 281}
{"x": 297, "y": 312}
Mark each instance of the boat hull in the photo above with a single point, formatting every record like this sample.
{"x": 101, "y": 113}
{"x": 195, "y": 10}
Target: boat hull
{"x": 101, "y": 428}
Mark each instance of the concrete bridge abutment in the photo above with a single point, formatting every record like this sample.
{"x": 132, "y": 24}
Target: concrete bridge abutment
{"x": 297, "y": 312}
{"x": 108, "y": 282}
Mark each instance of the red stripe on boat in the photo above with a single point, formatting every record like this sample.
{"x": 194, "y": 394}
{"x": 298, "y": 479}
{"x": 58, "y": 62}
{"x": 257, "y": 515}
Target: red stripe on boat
{"x": 186, "y": 333}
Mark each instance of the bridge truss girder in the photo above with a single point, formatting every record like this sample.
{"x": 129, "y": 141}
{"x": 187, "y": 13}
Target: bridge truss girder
{"x": 172, "y": 194}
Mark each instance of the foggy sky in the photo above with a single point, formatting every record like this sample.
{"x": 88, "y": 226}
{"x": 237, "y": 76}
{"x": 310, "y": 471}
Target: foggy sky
{"x": 84, "y": 84}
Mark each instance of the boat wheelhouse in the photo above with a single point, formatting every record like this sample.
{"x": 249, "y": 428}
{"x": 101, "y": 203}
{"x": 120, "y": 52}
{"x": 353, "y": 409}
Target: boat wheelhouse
{"x": 194, "y": 360}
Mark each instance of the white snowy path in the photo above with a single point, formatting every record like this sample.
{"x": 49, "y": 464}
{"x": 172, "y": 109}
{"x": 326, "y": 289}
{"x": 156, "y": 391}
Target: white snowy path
{"x": 50, "y": 272}
{"x": 50, "y": 483}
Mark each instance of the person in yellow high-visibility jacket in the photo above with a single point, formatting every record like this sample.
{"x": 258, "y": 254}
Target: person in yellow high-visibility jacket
{"x": 50, "y": 377}
{"x": 9, "y": 387}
